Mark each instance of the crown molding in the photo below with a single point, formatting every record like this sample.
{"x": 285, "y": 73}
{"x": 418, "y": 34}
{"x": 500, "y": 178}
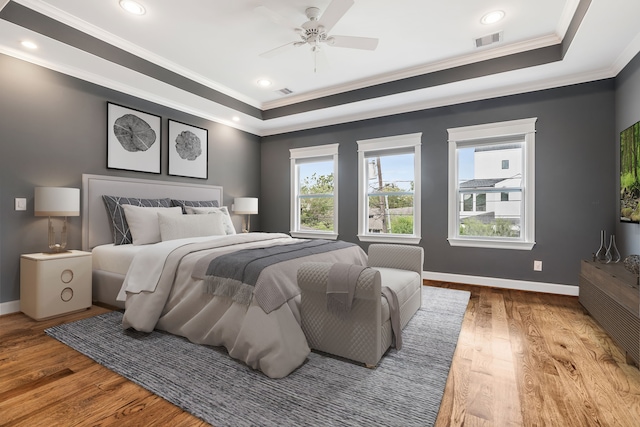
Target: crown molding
{"x": 479, "y": 56}
{"x": 516, "y": 89}
{"x": 92, "y": 30}
{"x": 133, "y": 90}
{"x": 568, "y": 12}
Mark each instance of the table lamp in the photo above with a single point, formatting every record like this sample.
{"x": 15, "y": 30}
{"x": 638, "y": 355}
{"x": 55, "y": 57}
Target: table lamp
{"x": 245, "y": 206}
{"x": 57, "y": 201}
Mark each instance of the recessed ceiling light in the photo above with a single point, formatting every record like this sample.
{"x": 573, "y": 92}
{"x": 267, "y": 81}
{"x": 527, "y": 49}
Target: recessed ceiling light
{"x": 492, "y": 17}
{"x": 264, "y": 83}
{"x": 29, "y": 44}
{"x": 235, "y": 118}
{"x": 132, "y": 7}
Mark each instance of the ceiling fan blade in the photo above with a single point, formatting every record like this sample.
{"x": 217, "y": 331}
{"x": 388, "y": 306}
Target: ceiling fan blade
{"x": 333, "y": 13}
{"x": 278, "y": 50}
{"x": 365, "y": 43}
{"x": 278, "y": 19}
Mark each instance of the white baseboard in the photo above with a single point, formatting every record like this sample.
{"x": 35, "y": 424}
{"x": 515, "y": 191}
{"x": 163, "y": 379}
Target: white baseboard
{"x": 9, "y": 307}
{"x": 521, "y": 285}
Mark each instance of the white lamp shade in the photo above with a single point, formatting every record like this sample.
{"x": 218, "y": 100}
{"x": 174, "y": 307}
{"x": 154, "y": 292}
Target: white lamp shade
{"x": 245, "y": 205}
{"x": 56, "y": 201}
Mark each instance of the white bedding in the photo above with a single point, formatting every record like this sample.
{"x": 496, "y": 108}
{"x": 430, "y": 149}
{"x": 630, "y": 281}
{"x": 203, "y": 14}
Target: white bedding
{"x": 176, "y": 302}
{"x": 146, "y": 267}
{"x": 114, "y": 259}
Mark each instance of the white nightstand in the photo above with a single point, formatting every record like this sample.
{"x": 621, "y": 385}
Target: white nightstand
{"x": 54, "y": 284}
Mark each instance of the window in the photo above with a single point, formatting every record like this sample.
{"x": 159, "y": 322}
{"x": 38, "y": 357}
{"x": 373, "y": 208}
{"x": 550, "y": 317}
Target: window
{"x": 389, "y": 189}
{"x": 491, "y": 185}
{"x": 314, "y": 192}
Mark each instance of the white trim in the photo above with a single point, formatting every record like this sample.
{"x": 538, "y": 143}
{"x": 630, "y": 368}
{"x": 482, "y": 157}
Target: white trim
{"x": 312, "y": 235}
{"x": 389, "y": 105}
{"x": 494, "y": 244}
{"x": 474, "y": 135}
{"x": 477, "y": 56}
{"x": 127, "y": 46}
{"x": 390, "y": 238}
{"x": 568, "y": 12}
{"x": 9, "y": 307}
{"x": 412, "y": 140}
{"x": 318, "y": 151}
{"x": 389, "y": 142}
{"x": 489, "y": 130}
{"x": 521, "y": 285}
{"x": 415, "y": 100}
{"x": 214, "y": 112}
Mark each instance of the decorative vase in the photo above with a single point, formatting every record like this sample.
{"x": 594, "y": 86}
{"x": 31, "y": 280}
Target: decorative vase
{"x": 603, "y": 255}
{"x": 612, "y": 250}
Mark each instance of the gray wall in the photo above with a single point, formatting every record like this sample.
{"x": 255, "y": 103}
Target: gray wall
{"x": 53, "y": 129}
{"x": 627, "y": 113}
{"x": 575, "y": 179}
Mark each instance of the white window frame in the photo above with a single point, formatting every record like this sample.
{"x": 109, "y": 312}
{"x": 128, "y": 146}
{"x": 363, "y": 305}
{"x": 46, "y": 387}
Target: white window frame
{"x": 490, "y": 133}
{"x": 380, "y": 144}
{"x": 321, "y": 153}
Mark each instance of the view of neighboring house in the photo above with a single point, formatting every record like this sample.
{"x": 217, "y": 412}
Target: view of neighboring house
{"x": 495, "y": 191}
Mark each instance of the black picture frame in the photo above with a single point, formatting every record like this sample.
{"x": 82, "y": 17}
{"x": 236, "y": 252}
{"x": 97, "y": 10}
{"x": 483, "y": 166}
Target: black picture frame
{"x": 188, "y": 150}
{"x": 133, "y": 139}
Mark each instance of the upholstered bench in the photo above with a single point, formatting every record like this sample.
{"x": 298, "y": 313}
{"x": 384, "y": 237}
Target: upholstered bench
{"x": 364, "y": 333}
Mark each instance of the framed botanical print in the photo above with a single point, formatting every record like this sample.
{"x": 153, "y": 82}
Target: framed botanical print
{"x": 133, "y": 139}
{"x": 188, "y": 150}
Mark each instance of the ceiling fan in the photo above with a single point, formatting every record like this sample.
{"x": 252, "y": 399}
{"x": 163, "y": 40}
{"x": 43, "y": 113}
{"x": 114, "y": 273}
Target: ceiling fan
{"x": 315, "y": 32}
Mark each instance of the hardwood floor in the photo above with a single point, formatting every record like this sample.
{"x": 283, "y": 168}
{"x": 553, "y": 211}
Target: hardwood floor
{"x": 523, "y": 359}
{"x": 532, "y": 359}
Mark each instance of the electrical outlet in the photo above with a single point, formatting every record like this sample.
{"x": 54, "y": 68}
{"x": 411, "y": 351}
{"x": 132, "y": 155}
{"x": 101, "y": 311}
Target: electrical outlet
{"x": 21, "y": 204}
{"x": 537, "y": 265}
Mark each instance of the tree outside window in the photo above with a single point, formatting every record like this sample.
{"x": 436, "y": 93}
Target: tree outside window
{"x": 389, "y": 189}
{"x": 314, "y": 192}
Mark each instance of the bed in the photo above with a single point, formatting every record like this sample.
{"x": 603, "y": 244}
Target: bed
{"x": 171, "y": 285}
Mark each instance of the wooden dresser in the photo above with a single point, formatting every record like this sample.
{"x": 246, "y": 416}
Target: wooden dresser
{"x": 611, "y": 295}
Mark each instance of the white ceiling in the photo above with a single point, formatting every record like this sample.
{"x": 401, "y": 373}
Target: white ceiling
{"x": 217, "y": 43}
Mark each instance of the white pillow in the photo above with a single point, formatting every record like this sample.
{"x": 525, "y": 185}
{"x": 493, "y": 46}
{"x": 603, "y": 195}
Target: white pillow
{"x": 143, "y": 222}
{"x": 226, "y": 219}
{"x": 183, "y": 226}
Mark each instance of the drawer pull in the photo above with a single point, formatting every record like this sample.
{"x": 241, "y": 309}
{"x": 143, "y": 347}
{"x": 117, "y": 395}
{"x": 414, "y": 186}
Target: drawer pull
{"x": 66, "y": 276}
{"x": 66, "y": 294}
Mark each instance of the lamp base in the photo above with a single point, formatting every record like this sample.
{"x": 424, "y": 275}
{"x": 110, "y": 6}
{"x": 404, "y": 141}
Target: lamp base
{"x": 246, "y": 223}
{"x": 56, "y": 249}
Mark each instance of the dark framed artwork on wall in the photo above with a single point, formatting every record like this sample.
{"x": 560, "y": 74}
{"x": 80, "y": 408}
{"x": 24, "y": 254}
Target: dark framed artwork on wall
{"x": 133, "y": 139}
{"x": 630, "y": 174}
{"x": 188, "y": 150}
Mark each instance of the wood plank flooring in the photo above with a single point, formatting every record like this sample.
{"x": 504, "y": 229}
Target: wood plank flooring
{"x": 532, "y": 359}
{"x": 523, "y": 359}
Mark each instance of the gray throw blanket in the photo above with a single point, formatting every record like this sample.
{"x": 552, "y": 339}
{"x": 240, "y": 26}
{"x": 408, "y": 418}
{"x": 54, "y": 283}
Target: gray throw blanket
{"x": 394, "y": 314}
{"x": 235, "y": 274}
{"x": 341, "y": 286}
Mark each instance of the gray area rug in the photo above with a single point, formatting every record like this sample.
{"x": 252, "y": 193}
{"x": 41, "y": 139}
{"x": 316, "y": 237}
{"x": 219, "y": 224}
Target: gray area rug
{"x": 404, "y": 390}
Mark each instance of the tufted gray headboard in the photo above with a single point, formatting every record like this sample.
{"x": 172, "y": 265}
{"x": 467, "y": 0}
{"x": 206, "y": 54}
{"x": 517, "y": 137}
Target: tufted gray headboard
{"x": 95, "y": 222}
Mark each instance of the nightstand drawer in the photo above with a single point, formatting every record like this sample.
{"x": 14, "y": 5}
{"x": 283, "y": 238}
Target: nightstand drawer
{"x": 51, "y": 285}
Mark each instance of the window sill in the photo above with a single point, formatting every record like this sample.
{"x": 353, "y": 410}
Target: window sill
{"x": 390, "y": 238}
{"x": 493, "y": 244}
{"x": 312, "y": 235}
